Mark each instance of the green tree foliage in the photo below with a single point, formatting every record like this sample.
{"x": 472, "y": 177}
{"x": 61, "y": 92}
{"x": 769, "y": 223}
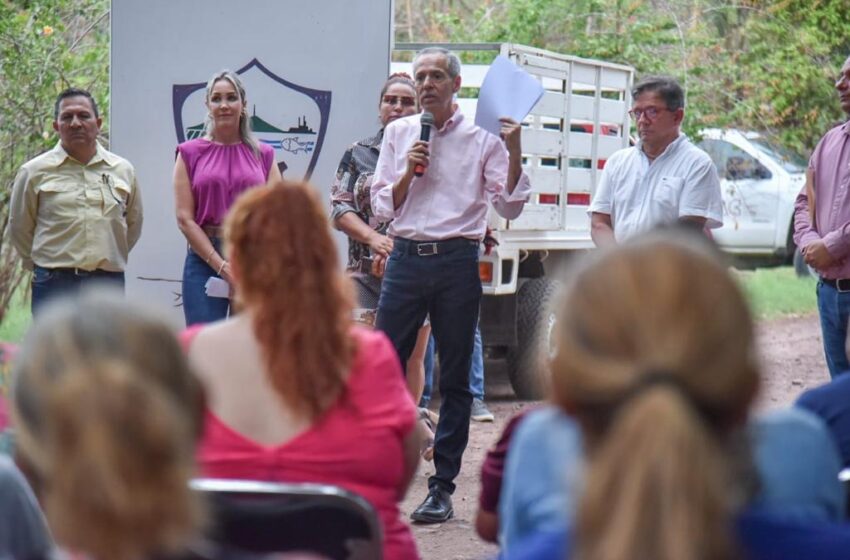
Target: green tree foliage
{"x": 45, "y": 46}
{"x": 792, "y": 55}
{"x": 766, "y": 65}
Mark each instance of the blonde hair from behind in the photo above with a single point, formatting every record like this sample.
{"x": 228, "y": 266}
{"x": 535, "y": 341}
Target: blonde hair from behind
{"x": 289, "y": 278}
{"x": 108, "y": 414}
{"x": 655, "y": 358}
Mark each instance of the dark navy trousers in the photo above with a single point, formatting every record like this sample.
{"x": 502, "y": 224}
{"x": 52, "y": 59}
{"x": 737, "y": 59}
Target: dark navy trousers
{"x": 441, "y": 280}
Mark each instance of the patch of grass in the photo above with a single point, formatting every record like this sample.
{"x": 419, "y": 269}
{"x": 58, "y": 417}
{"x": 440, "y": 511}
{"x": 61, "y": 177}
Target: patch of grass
{"x": 18, "y": 317}
{"x": 773, "y": 292}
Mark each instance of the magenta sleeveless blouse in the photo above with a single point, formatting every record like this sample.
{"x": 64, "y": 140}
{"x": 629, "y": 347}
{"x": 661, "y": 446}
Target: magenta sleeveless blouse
{"x": 219, "y": 173}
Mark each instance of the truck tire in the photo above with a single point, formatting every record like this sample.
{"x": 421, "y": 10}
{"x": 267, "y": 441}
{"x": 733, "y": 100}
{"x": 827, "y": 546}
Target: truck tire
{"x": 801, "y": 268}
{"x": 535, "y": 318}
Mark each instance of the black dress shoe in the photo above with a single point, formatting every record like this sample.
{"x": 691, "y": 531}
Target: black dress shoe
{"x": 436, "y": 508}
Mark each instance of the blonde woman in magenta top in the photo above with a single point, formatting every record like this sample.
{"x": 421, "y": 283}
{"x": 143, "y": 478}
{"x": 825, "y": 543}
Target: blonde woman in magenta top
{"x": 209, "y": 174}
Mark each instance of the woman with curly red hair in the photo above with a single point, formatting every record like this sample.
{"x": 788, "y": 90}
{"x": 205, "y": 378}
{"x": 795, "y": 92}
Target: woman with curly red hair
{"x": 296, "y": 392}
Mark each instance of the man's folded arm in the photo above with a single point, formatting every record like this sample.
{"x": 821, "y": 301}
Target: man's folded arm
{"x": 134, "y": 215}
{"x": 23, "y": 212}
{"x": 804, "y": 231}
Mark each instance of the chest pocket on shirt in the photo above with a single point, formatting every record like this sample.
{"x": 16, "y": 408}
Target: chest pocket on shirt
{"x": 665, "y": 198}
{"x": 58, "y": 199}
{"x": 115, "y": 198}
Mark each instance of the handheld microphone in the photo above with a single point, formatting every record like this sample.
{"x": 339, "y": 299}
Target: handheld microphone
{"x": 427, "y": 121}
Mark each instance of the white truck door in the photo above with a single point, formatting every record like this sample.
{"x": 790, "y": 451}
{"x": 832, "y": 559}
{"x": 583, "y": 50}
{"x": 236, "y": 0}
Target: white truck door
{"x": 750, "y": 197}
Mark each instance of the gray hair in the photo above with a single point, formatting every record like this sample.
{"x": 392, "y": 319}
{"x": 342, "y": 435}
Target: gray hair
{"x": 453, "y": 62}
{"x": 245, "y": 132}
{"x": 665, "y": 86}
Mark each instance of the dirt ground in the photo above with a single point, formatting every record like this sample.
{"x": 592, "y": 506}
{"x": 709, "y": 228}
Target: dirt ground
{"x": 792, "y": 360}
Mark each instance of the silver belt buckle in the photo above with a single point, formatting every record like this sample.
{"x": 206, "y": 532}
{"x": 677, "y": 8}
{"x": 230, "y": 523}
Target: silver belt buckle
{"x": 426, "y": 249}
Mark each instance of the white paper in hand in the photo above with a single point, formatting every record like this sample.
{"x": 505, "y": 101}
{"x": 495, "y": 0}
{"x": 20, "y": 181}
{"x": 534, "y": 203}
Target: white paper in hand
{"x": 216, "y": 287}
{"x": 507, "y": 91}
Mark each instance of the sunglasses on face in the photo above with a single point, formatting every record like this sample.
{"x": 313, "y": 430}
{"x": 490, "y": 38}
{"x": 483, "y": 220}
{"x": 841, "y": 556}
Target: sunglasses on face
{"x": 404, "y": 100}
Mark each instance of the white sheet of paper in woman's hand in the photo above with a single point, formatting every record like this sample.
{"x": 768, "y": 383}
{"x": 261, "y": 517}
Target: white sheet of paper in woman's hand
{"x": 216, "y": 287}
{"x": 507, "y": 91}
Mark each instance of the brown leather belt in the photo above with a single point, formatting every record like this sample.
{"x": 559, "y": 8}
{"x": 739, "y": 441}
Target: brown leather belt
{"x": 213, "y": 231}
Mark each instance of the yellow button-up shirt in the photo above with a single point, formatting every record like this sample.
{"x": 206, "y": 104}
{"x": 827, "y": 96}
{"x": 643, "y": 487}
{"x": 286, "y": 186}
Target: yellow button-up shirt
{"x": 64, "y": 214}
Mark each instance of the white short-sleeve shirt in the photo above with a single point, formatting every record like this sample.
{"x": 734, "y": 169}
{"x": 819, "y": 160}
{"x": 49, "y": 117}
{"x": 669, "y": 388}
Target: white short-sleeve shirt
{"x": 639, "y": 195}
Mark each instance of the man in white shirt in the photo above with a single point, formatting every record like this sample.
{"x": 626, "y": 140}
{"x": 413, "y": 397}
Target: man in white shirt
{"x": 438, "y": 221}
{"x": 663, "y": 179}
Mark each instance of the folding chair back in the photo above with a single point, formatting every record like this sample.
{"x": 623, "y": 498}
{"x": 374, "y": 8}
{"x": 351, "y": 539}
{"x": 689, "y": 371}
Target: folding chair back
{"x": 265, "y": 518}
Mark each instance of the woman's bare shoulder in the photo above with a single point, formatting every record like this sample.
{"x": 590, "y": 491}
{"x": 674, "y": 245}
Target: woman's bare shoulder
{"x": 219, "y": 344}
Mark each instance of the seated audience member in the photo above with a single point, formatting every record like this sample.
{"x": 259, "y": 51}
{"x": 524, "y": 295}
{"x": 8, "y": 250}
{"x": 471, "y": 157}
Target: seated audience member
{"x": 542, "y": 475}
{"x": 107, "y": 414}
{"x": 23, "y": 533}
{"x": 296, "y": 391}
{"x": 831, "y": 402}
{"x": 543, "y": 471}
{"x": 798, "y": 464}
{"x": 660, "y": 410}
{"x": 492, "y": 471}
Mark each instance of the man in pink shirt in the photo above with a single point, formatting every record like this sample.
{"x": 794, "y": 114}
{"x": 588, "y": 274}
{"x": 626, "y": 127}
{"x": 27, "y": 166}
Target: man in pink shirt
{"x": 822, "y": 230}
{"x": 438, "y": 221}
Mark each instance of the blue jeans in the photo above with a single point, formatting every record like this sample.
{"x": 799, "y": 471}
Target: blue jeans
{"x": 834, "y": 310}
{"x": 476, "y": 371}
{"x": 48, "y": 283}
{"x": 198, "y": 307}
{"x": 446, "y": 287}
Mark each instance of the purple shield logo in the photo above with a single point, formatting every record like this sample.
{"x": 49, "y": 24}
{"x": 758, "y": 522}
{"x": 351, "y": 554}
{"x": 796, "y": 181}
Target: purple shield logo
{"x": 290, "y": 118}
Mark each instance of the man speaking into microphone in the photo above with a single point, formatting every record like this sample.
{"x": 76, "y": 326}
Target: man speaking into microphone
{"x": 434, "y": 179}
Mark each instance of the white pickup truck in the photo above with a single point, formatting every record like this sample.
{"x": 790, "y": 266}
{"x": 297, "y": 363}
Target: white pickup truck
{"x": 760, "y": 182}
{"x": 581, "y": 120}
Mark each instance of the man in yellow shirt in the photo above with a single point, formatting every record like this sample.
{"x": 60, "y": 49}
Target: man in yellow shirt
{"x": 76, "y": 210}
